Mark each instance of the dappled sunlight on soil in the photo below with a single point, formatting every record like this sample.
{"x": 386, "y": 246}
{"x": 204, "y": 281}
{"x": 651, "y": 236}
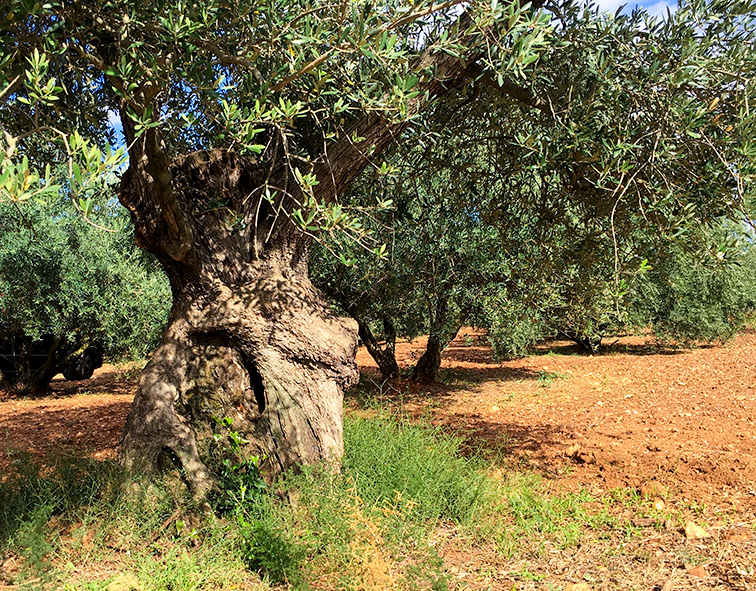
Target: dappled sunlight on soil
{"x": 87, "y": 415}
{"x": 667, "y": 434}
{"x": 685, "y": 418}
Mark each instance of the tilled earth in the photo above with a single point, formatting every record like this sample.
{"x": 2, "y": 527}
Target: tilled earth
{"x": 675, "y": 426}
{"x": 682, "y": 418}
{"x": 671, "y": 430}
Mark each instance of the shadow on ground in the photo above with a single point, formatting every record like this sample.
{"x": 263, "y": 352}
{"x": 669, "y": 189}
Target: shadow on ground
{"x": 108, "y": 382}
{"x": 498, "y": 441}
{"x": 38, "y": 431}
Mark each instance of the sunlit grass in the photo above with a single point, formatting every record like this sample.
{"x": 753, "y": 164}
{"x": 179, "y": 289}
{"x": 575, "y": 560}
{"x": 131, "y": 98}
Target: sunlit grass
{"x": 378, "y": 524}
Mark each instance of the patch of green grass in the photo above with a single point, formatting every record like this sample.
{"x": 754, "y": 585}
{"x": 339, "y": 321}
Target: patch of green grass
{"x": 389, "y": 458}
{"x": 546, "y": 378}
{"x": 65, "y": 518}
{"x": 374, "y": 525}
{"x": 30, "y": 495}
{"x": 397, "y": 482}
{"x": 533, "y": 515}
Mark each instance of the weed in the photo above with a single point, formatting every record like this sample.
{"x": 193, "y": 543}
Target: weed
{"x": 527, "y": 575}
{"x": 238, "y": 475}
{"x": 372, "y": 526}
{"x": 268, "y": 549}
{"x": 30, "y": 496}
{"x": 533, "y": 515}
{"x": 546, "y": 378}
{"x": 389, "y": 456}
{"x": 629, "y": 497}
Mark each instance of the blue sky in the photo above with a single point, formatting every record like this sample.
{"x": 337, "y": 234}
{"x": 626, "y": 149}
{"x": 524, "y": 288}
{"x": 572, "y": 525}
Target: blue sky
{"x": 654, "y": 7}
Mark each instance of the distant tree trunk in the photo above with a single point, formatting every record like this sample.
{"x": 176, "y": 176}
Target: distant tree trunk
{"x": 41, "y": 378}
{"x": 442, "y": 332}
{"x": 59, "y": 357}
{"x": 590, "y": 344}
{"x": 427, "y": 367}
{"x": 385, "y": 357}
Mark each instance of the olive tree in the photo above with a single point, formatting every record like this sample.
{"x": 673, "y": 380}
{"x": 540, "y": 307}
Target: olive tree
{"x": 246, "y": 121}
{"x": 66, "y": 285}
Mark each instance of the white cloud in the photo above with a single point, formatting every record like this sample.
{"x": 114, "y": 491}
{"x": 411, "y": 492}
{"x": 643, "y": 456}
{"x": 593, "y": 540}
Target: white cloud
{"x": 660, "y": 8}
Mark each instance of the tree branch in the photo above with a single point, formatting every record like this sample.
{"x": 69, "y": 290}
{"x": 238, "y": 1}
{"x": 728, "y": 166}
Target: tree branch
{"x": 347, "y": 157}
{"x": 301, "y": 72}
{"x": 420, "y": 14}
{"x": 520, "y": 94}
{"x": 9, "y": 90}
{"x": 227, "y": 60}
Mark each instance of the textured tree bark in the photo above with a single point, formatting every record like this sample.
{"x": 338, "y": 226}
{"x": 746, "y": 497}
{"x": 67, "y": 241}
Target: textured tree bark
{"x": 249, "y": 339}
{"x": 268, "y": 355}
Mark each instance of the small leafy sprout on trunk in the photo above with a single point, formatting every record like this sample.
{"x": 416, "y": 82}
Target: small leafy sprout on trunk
{"x": 239, "y": 480}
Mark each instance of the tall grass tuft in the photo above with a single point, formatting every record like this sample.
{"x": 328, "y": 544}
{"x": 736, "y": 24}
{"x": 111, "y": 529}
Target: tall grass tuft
{"x": 32, "y": 494}
{"x": 420, "y": 463}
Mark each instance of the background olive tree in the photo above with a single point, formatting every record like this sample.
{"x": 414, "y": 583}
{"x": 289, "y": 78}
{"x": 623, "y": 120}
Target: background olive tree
{"x": 66, "y": 284}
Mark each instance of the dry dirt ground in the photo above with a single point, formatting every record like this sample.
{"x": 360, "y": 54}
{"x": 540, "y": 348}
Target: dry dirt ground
{"x": 677, "y": 426}
{"x": 685, "y": 418}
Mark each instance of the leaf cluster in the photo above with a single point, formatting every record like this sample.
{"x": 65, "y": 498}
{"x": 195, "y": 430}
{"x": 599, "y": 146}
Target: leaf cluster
{"x": 62, "y": 276}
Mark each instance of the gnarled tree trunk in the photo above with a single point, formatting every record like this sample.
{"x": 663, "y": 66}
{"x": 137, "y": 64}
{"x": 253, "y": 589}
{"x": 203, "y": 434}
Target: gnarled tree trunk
{"x": 249, "y": 339}
{"x": 267, "y": 354}
{"x": 385, "y": 356}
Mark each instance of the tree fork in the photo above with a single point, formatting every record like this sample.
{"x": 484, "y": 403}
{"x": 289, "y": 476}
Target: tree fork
{"x": 385, "y": 357}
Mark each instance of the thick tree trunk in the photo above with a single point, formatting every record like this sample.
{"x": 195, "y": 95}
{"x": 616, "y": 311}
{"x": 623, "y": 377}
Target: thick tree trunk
{"x": 385, "y": 357}
{"x": 249, "y": 339}
{"x": 267, "y": 355}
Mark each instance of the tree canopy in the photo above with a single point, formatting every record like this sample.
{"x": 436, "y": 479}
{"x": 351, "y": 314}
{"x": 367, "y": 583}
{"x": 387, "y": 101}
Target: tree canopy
{"x": 615, "y": 105}
{"x": 67, "y": 284}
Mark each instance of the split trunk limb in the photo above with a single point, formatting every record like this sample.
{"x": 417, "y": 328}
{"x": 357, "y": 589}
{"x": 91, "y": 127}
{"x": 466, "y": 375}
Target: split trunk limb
{"x": 443, "y": 329}
{"x": 385, "y": 357}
